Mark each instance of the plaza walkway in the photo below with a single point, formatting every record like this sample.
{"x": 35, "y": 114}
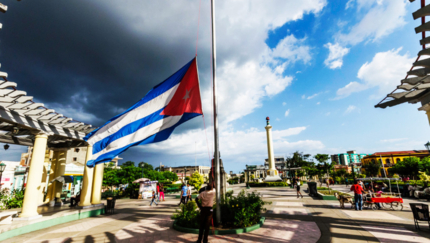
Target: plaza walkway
{"x": 289, "y": 219}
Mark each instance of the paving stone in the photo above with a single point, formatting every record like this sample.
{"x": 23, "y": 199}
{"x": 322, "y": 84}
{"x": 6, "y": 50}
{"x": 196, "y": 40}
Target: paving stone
{"x": 391, "y": 234}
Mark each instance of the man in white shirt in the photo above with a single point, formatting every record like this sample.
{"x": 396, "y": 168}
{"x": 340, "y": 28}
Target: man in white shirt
{"x": 205, "y": 201}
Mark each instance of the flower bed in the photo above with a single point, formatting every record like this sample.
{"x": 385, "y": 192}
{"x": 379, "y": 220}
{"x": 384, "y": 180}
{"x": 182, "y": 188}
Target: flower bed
{"x": 238, "y": 213}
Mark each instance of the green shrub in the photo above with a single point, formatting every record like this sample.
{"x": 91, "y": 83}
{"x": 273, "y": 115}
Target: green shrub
{"x": 188, "y": 216}
{"x": 244, "y": 210}
{"x": 15, "y": 200}
{"x": 267, "y": 184}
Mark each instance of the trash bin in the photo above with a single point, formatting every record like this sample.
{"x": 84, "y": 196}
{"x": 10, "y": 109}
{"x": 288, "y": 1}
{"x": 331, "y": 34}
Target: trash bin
{"x": 312, "y": 188}
{"x": 110, "y": 207}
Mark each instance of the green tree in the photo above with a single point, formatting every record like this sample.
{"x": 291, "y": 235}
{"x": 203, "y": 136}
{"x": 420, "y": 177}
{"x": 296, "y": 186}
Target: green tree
{"x": 323, "y": 160}
{"x": 127, "y": 164}
{"x": 300, "y": 173}
{"x": 110, "y": 178}
{"x": 408, "y": 167}
{"x": 170, "y": 175}
{"x": 311, "y": 171}
{"x": 372, "y": 169}
{"x": 196, "y": 180}
{"x": 425, "y": 165}
{"x": 145, "y": 165}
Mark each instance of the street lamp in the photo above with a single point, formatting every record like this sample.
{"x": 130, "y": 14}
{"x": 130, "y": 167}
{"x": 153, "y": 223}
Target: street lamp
{"x": 2, "y": 168}
{"x": 427, "y": 146}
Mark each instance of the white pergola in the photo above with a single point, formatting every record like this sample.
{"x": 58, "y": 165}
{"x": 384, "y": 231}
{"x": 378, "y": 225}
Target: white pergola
{"x": 21, "y": 118}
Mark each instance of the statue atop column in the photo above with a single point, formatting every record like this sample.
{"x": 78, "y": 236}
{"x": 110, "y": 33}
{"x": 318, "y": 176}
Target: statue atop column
{"x": 272, "y": 172}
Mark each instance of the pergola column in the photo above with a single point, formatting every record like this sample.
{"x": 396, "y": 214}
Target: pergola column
{"x": 97, "y": 183}
{"x": 87, "y": 184}
{"x": 60, "y": 169}
{"x": 50, "y": 194}
{"x": 29, "y": 207}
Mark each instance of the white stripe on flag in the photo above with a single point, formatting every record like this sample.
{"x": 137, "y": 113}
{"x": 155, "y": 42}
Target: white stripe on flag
{"x": 140, "y": 112}
{"x": 144, "y": 132}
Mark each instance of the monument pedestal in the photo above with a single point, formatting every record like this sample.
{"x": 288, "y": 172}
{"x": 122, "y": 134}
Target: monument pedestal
{"x": 272, "y": 176}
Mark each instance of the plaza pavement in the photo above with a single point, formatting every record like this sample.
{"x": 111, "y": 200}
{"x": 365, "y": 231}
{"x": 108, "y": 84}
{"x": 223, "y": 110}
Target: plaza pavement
{"x": 288, "y": 219}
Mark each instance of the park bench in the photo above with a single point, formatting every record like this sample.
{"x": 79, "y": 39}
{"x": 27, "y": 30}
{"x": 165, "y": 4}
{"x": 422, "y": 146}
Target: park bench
{"x": 6, "y": 217}
{"x": 421, "y": 213}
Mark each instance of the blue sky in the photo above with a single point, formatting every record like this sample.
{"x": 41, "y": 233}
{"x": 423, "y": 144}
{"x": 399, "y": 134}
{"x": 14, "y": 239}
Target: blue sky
{"x": 315, "y": 67}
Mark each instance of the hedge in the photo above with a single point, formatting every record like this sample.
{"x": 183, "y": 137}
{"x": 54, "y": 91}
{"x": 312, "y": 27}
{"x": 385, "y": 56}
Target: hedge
{"x": 267, "y": 184}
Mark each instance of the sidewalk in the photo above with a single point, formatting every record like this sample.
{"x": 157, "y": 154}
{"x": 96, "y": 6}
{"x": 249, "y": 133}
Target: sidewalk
{"x": 288, "y": 219}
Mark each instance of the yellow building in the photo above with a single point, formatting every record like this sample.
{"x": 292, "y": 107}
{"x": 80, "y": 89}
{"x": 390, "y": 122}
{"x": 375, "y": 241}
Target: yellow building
{"x": 391, "y": 158}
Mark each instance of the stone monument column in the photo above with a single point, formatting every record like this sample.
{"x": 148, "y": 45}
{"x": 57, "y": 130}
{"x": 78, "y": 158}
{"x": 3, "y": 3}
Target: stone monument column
{"x": 272, "y": 172}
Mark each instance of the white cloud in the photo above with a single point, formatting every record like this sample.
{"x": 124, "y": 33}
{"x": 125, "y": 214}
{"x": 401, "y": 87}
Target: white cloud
{"x": 327, "y": 114}
{"x": 231, "y": 144}
{"x": 350, "y": 109}
{"x": 303, "y": 96}
{"x": 393, "y": 140}
{"x": 382, "y": 17}
{"x": 318, "y": 103}
{"x": 349, "y": 4}
{"x": 284, "y": 103}
{"x": 312, "y": 96}
{"x": 287, "y": 113}
{"x": 290, "y": 49}
{"x": 384, "y": 71}
{"x": 336, "y": 54}
{"x": 277, "y": 119}
{"x": 350, "y": 88}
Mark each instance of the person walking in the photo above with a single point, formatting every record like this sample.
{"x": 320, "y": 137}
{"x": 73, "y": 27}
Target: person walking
{"x": 162, "y": 191}
{"x": 346, "y": 182}
{"x": 189, "y": 193}
{"x": 205, "y": 202}
{"x": 298, "y": 188}
{"x": 183, "y": 194}
{"x": 358, "y": 196}
{"x": 158, "y": 192}
{"x": 153, "y": 199}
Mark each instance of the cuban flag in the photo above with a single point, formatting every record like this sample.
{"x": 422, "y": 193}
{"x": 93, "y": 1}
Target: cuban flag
{"x": 152, "y": 119}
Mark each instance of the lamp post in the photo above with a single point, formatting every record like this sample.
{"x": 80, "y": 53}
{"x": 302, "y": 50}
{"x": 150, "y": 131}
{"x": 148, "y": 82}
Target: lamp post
{"x": 141, "y": 166}
{"x": 2, "y": 168}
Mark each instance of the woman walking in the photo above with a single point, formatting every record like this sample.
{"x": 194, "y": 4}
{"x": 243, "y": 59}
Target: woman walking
{"x": 162, "y": 191}
{"x": 298, "y": 188}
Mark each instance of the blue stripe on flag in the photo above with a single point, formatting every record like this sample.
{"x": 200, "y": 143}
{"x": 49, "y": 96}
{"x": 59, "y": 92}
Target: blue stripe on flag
{"x": 127, "y": 130}
{"x": 153, "y": 93}
{"x": 158, "y": 137}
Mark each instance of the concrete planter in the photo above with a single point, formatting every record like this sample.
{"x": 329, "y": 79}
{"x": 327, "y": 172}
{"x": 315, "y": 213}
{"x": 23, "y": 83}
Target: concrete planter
{"x": 221, "y": 232}
{"x": 326, "y": 197}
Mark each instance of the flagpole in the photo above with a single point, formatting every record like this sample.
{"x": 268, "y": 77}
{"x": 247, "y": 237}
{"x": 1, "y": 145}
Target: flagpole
{"x": 216, "y": 155}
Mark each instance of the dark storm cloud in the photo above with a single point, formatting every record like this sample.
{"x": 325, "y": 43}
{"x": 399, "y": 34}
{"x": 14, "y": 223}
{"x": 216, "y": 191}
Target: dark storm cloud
{"x": 57, "y": 49}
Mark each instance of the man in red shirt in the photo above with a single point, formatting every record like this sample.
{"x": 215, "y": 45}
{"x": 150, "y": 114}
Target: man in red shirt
{"x": 358, "y": 196}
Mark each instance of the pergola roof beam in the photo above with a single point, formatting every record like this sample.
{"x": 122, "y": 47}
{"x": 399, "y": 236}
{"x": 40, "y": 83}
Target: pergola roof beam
{"x": 7, "y": 84}
{"x": 420, "y": 72}
{"x": 421, "y": 12}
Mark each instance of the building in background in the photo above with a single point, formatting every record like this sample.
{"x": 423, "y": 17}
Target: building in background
{"x": 7, "y": 177}
{"x": 184, "y": 171}
{"x": 388, "y": 159}
{"x": 349, "y": 161}
{"x": 255, "y": 172}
